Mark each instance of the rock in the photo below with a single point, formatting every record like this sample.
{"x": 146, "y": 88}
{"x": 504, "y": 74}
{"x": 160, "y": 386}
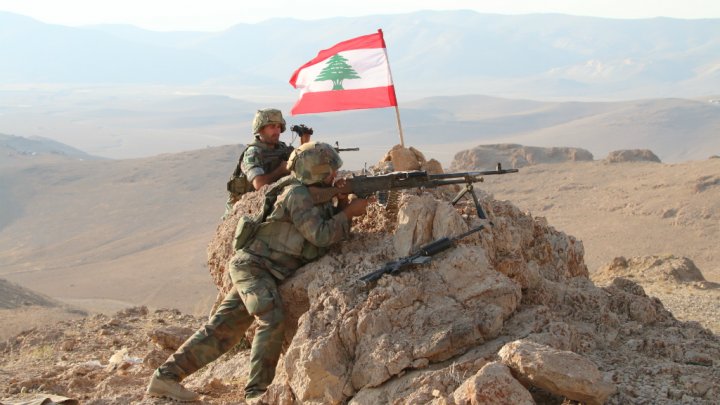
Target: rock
{"x": 560, "y": 372}
{"x": 666, "y": 268}
{"x": 432, "y": 166}
{"x": 405, "y": 158}
{"x": 493, "y": 384}
{"x": 631, "y": 155}
{"x": 156, "y": 357}
{"x": 484, "y": 157}
{"x": 704, "y": 183}
{"x": 170, "y": 337}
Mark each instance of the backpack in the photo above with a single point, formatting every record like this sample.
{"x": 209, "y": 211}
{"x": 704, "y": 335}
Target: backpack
{"x": 248, "y": 225}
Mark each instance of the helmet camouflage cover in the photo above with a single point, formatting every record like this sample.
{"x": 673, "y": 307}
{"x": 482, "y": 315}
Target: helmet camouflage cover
{"x": 267, "y": 116}
{"x": 313, "y": 161}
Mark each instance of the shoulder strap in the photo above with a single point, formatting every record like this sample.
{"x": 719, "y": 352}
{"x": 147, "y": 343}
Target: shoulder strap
{"x": 274, "y": 191}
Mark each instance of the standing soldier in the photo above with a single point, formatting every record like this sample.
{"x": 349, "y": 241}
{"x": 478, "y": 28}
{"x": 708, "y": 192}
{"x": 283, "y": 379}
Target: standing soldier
{"x": 294, "y": 232}
{"x": 263, "y": 161}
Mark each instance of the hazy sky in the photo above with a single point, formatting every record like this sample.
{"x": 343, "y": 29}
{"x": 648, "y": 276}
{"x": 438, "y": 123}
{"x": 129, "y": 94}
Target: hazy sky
{"x": 216, "y": 15}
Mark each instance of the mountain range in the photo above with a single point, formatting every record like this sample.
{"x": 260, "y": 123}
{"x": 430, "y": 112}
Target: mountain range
{"x": 431, "y": 53}
{"x": 122, "y": 126}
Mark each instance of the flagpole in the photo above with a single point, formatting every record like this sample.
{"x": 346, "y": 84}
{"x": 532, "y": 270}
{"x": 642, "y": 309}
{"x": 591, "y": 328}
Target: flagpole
{"x": 397, "y": 115}
{"x": 397, "y": 110}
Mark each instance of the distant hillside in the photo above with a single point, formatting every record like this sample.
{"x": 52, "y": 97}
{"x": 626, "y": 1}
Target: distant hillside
{"x": 431, "y": 52}
{"x": 14, "y": 296}
{"x": 104, "y": 234}
{"x": 14, "y": 147}
{"x": 144, "y": 123}
{"x": 23, "y": 309}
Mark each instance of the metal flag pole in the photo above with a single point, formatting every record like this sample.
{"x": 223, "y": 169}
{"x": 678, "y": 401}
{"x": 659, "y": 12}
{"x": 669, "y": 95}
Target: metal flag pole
{"x": 397, "y": 110}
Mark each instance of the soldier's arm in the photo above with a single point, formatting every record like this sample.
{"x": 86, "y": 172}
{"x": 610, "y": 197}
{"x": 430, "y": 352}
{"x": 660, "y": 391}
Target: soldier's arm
{"x": 263, "y": 179}
{"x": 309, "y": 221}
{"x": 252, "y": 166}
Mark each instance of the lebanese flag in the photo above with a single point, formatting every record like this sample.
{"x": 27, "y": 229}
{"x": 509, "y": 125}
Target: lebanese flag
{"x": 351, "y": 75}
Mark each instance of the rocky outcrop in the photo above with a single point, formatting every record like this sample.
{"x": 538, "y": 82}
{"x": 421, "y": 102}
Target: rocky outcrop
{"x": 631, "y": 155}
{"x": 673, "y": 280}
{"x": 400, "y": 158}
{"x": 426, "y": 334}
{"x": 511, "y": 155}
{"x": 651, "y": 269}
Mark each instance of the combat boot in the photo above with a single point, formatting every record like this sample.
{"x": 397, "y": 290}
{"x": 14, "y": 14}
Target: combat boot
{"x": 255, "y": 398}
{"x": 163, "y": 387}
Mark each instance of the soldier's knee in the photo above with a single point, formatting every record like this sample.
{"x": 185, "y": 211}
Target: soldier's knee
{"x": 275, "y": 318}
{"x": 261, "y": 301}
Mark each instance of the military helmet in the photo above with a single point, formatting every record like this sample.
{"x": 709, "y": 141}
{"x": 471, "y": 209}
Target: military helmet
{"x": 311, "y": 162}
{"x": 267, "y": 116}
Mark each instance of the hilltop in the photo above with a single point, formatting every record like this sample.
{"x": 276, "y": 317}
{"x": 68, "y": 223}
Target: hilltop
{"x": 527, "y": 326}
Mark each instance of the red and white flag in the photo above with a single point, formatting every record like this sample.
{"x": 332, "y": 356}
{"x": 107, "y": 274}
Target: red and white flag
{"x": 351, "y": 75}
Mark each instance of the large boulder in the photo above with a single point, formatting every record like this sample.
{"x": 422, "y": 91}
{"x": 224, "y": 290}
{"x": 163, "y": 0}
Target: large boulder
{"x": 632, "y": 155}
{"x": 483, "y": 157}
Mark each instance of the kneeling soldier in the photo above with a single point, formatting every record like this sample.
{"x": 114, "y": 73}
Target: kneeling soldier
{"x": 295, "y": 232}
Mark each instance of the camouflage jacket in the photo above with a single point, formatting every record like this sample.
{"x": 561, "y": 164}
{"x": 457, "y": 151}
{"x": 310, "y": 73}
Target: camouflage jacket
{"x": 261, "y": 158}
{"x": 297, "y": 231}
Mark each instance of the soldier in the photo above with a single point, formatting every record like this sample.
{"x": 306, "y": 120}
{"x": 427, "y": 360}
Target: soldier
{"x": 263, "y": 161}
{"x": 295, "y": 232}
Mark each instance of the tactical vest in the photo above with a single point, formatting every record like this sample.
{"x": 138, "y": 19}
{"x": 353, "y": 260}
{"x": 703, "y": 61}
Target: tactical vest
{"x": 248, "y": 226}
{"x": 276, "y": 237}
{"x": 271, "y": 158}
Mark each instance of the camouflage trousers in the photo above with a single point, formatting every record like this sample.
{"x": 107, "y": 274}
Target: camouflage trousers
{"x": 230, "y": 203}
{"x": 254, "y": 296}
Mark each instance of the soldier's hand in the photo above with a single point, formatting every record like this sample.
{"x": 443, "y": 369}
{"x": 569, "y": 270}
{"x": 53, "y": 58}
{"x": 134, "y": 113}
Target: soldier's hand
{"x": 356, "y": 208}
{"x": 282, "y": 169}
{"x": 342, "y": 197}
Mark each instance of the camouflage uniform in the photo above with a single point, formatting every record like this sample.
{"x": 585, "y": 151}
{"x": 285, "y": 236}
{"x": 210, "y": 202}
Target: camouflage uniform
{"x": 258, "y": 158}
{"x": 296, "y": 232}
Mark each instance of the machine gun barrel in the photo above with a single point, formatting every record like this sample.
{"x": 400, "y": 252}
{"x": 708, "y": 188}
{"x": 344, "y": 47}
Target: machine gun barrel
{"x": 364, "y": 186}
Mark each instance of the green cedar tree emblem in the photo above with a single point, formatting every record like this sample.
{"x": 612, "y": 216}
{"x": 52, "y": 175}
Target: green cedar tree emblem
{"x": 337, "y": 70}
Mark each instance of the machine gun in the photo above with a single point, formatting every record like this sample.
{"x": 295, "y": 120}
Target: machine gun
{"x": 423, "y": 255}
{"x": 339, "y": 149}
{"x": 364, "y": 186}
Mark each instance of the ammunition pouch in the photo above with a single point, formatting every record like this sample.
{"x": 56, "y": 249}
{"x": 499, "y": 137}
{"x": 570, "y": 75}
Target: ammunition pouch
{"x": 238, "y": 185}
{"x": 244, "y": 231}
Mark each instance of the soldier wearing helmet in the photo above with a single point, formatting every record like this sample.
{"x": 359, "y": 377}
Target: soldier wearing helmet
{"x": 313, "y": 161}
{"x": 294, "y": 231}
{"x": 264, "y": 160}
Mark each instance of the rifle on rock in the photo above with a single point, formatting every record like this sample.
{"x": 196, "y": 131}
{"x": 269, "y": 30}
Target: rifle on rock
{"x": 423, "y": 255}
